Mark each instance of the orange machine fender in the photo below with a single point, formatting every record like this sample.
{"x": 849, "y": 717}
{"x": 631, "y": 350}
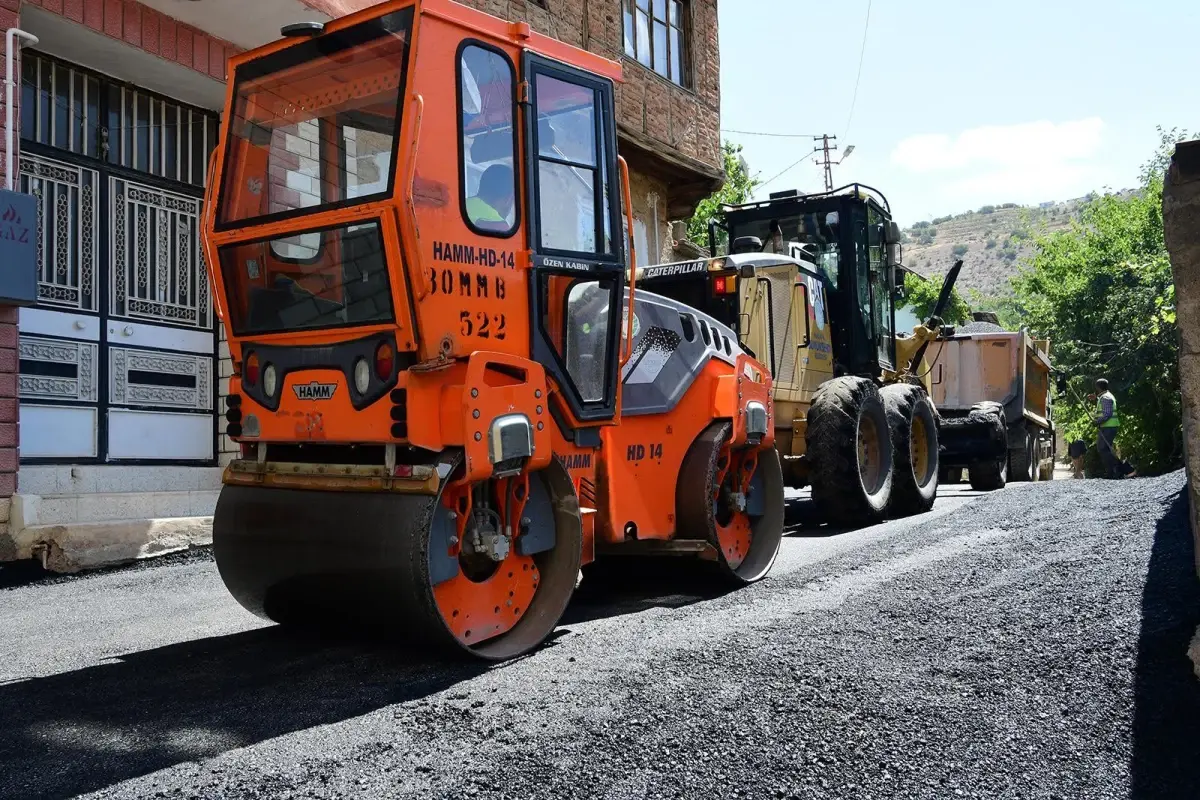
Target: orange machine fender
{"x": 734, "y": 393}
{"x": 461, "y": 405}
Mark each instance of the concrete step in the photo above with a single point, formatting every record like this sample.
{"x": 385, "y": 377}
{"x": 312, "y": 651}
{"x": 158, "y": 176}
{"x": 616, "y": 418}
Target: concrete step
{"x": 87, "y": 545}
{"x": 33, "y": 510}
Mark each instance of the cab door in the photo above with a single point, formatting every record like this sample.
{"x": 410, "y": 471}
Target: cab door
{"x": 577, "y": 285}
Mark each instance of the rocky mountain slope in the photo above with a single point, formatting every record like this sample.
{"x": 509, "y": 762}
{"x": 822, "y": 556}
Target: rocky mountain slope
{"x": 992, "y": 242}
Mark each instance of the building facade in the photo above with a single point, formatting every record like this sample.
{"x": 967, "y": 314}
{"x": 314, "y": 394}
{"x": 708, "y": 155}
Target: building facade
{"x": 109, "y": 385}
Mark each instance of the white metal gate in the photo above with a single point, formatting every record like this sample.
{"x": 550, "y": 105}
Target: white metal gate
{"x": 117, "y": 359}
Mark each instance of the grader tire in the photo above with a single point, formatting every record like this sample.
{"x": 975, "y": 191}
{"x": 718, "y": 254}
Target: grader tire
{"x": 850, "y": 448}
{"x": 915, "y": 449}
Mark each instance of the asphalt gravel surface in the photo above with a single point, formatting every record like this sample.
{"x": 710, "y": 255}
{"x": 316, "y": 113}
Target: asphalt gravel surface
{"x": 1026, "y": 643}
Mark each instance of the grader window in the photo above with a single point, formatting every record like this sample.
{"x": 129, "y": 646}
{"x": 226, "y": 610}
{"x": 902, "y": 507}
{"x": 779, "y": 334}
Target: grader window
{"x": 487, "y": 109}
{"x": 314, "y": 126}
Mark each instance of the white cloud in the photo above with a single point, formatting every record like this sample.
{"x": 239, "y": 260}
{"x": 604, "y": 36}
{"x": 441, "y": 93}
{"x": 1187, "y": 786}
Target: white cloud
{"x": 1028, "y": 162}
{"x": 1038, "y": 144}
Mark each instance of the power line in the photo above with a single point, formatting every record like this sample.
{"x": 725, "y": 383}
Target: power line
{"x": 787, "y": 169}
{"x": 764, "y": 133}
{"x": 861, "y": 54}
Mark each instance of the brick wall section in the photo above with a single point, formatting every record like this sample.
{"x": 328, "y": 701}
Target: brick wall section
{"x": 146, "y": 29}
{"x": 10, "y": 17}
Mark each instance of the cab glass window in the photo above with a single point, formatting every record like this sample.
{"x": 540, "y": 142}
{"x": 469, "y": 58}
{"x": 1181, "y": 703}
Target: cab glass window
{"x": 880, "y": 284}
{"x": 314, "y": 125}
{"x": 344, "y": 284}
{"x": 486, "y": 115}
{"x": 573, "y": 204}
{"x": 576, "y": 316}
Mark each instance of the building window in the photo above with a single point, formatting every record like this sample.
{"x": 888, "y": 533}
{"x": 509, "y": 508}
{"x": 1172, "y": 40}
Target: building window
{"x": 654, "y": 35}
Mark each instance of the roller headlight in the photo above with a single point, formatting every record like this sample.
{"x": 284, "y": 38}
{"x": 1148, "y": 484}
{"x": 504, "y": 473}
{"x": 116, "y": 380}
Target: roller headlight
{"x": 362, "y": 376}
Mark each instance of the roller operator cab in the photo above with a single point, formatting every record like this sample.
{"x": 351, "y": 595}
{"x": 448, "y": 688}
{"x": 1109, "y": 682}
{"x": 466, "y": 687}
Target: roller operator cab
{"x": 447, "y": 397}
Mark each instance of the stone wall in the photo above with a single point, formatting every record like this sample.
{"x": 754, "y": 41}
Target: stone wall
{"x": 1181, "y": 218}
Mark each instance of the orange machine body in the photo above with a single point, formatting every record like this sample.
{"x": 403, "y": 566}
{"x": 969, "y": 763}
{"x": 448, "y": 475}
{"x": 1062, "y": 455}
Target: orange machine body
{"x": 360, "y": 162}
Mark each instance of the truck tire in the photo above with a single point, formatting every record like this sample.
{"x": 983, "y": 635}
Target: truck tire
{"x": 988, "y": 476}
{"x": 914, "y": 449}
{"x": 1022, "y": 461}
{"x": 850, "y": 451}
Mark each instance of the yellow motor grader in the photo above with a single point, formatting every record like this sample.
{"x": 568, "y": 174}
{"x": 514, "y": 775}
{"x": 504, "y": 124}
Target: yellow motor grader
{"x": 810, "y": 283}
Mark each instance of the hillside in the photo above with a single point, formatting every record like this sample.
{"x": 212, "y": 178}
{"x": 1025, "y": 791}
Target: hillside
{"x": 991, "y": 242}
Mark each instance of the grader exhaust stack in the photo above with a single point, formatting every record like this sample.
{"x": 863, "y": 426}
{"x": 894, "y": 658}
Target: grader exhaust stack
{"x": 446, "y": 396}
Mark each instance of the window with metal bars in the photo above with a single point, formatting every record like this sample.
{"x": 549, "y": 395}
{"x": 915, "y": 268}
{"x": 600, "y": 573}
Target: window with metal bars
{"x": 656, "y": 36}
{"x": 72, "y": 109}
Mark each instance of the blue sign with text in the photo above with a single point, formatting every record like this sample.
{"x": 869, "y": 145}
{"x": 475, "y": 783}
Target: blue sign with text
{"x": 18, "y": 248}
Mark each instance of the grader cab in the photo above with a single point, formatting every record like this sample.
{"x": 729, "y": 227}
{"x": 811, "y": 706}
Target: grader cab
{"x": 447, "y": 396}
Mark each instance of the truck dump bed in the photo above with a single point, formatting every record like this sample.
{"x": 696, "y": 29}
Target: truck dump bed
{"x": 1011, "y": 369}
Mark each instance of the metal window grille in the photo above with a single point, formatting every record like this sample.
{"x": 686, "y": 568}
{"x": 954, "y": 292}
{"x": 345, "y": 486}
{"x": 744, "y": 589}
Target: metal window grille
{"x": 69, "y": 109}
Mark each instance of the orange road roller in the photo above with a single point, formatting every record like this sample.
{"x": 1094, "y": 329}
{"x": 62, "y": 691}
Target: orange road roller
{"x": 448, "y": 394}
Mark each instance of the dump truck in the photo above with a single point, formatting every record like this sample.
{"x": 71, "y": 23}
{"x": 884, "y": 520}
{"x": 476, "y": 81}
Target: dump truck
{"x": 1001, "y": 381}
{"x": 447, "y": 396}
{"x": 810, "y": 284}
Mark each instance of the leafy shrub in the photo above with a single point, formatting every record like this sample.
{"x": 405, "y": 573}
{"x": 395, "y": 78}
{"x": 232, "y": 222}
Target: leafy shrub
{"x": 920, "y": 226}
{"x": 925, "y": 239}
{"x": 1108, "y": 280}
{"x": 988, "y": 210}
{"x": 960, "y": 249}
{"x": 940, "y": 220}
{"x": 991, "y": 244}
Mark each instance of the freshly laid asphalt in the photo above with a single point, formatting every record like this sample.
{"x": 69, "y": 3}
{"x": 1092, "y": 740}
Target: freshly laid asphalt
{"x": 1026, "y": 643}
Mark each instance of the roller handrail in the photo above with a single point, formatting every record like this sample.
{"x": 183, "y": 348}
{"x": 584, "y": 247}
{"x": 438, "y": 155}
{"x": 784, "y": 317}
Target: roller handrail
{"x": 411, "y": 179}
{"x": 626, "y": 196}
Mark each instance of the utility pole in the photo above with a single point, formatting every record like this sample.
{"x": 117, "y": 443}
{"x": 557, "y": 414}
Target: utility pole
{"x": 825, "y": 148}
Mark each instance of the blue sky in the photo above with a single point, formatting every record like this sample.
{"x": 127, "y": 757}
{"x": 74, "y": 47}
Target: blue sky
{"x": 961, "y": 103}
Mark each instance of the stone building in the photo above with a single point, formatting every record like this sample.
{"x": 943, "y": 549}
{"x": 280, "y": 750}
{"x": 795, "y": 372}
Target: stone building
{"x": 109, "y": 385}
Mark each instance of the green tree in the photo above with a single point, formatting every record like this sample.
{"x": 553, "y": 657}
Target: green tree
{"x": 738, "y": 188}
{"x": 1103, "y": 293}
{"x": 921, "y": 295}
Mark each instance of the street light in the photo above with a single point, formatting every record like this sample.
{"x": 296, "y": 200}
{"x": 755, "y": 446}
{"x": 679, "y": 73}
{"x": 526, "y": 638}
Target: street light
{"x": 846, "y": 153}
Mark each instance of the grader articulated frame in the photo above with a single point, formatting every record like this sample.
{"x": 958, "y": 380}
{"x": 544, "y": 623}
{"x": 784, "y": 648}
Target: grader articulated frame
{"x": 447, "y": 397}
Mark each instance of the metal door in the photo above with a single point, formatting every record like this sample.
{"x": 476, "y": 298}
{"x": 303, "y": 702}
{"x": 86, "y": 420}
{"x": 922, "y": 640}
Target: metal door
{"x": 117, "y": 359}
